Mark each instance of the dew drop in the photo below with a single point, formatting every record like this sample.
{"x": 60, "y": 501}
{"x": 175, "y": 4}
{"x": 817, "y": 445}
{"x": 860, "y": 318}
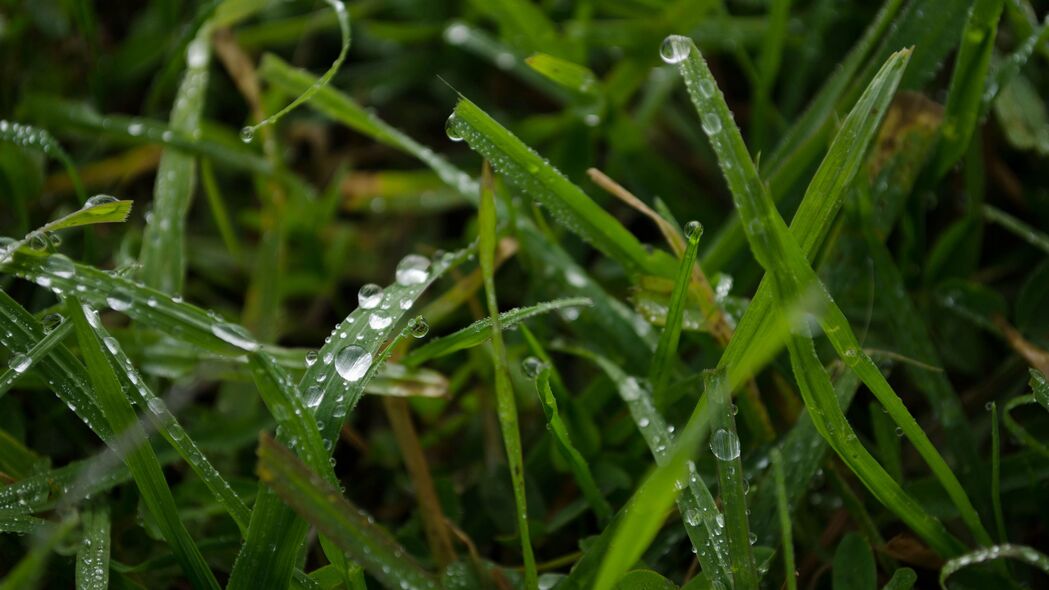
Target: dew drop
{"x": 311, "y": 357}
{"x": 675, "y": 49}
{"x": 725, "y": 445}
{"x": 449, "y": 128}
{"x": 235, "y": 335}
{"x": 97, "y": 200}
{"x": 420, "y": 327}
{"x": 352, "y": 363}
{"x": 631, "y": 389}
{"x": 60, "y": 266}
{"x": 413, "y": 270}
{"x": 111, "y": 344}
{"x": 531, "y": 367}
{"x": 693, "y": 229}
{"x": 247, "y": 134}
{"x": 370, "y": 296}
{"x": 19, "y": 363}
{"x": 119, "y": 300}
{"x": 377, "y": 321}
{"x": 711, "y": 123}
{"x": 52, "y": 321}
{"x": 692, "y": 517}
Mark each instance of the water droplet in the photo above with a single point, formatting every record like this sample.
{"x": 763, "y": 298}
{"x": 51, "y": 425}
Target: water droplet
{"x": 247, "y": 134}
{"x": 753, "y": 538}
{"x": 675, "y": 49}
{"x": 60, "y": 266}
{"x": 352, "y": 362}
{"x": 97, "y": 200}
{"x": 631, "y": 389}
{"x": 413, "y": 270}
{"x": 711, "y": 123}
{"x": 235, "y": 335}
{"x": 643, "y": 423}
{"x": 370, "y": 296}
{"x": 156, "y": 405}
{"x": 420, "y": 327}
{"x": 377, "y": 321}
{"x": 52, "y": 321}
{"x": 311, "y": 357}
{"x": 19, "y": 363}
{"x": 706, "y": 88}
{"x": 449, "y": 128}
{"x": 899, "y": 431}
{"x": 693, "y": 229}
{"x": 531, "y": 367}
{"x": 111, "y": 344}
{"x": 456, "y": 33}
{"x": 119, "y": 300}
{"x": 197, "y": 54}
{"x": 692, "y": 517}
{"x": 725, "y": 445}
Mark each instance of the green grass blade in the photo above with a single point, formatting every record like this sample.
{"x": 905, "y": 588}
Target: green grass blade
{"x": 666, "y": 352}
{"x": 968, "y": 82}
{"x": 724, "y": 444}
{"x": 506, "y": 405}
{"x": 996, "y": 475}
{"x": 1018, "y": 228}
{"x": 576, "y": 462}
{"x": 902, "y": 579}
{"x": 854, "y": 565}
{"x": 528, "y": 172}
{"x": 27, "y": 136}
{"x": 27, "y": 572}
{"x": 1021, "y": 433}
{"x": 92, "y": 558}
{"x": 1020, "y": 553}
{"x": 480, "y": 331}
{"x": 133, "y": 447}
{"x": 33, "y": 356}
{"x": 97, "y": 209}
{"x": 163, "y": 244}
{"x": 783, "y": 510}
{"x": 577, "y": 78}
{"x": 346, "y": 525}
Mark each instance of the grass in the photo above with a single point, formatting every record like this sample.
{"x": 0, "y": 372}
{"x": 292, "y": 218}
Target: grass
{"x": 651, "y": 294}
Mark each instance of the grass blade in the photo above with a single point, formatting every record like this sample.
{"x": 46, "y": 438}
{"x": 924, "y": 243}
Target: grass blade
{"x": 27, "y": 136}
{"x": 902, "y": 579}
{"x": 26, "y": 572}
{"x": 854, "y": 565}
{"x": 505, "y": 403}
{"x": 984, "y": 554}
{"x": 92, "y": 559}
{"x": 666, "y": 352}
{"x": 783, "y": 510}
{"x": 33, "y": 356}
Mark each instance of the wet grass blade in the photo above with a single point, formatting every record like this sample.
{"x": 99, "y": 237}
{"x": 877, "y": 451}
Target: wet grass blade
{"x": 576, "y": 463}
{"x": 133, "y": 447}
{"x": 98, "y": 209}
{"x": 26, "y": 572}
{"x": 506, "y": 405}
{"x": 783, "y": 510}
{"x": 480, "y": 331}
{"x": 350, "y": 528}
{"x": 92, "y": 559}
{"x": 1020, "y": 553}
{"x": 33, "y": 356}
{"x": 666, "y": 351}
{"x": 163, "y": 244}
{"x": 27, "y": 136}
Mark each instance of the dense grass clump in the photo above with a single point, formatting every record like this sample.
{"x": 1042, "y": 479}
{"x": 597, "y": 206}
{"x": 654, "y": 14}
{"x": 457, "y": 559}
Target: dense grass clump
{"x": 494, "y": 294}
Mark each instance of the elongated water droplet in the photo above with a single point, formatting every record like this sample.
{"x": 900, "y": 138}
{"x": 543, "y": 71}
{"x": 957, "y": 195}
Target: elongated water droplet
{"x": 449, "y": 128}
{"x": 711, "y": 123}
{"x": 119, "y": 300}
{"x": 370, "y": 296}
{"x": 311, "y": 357}
{"x": 111, "y": 344}
{"x": 352, "y": 363}
{"x": 531, "y": 367}
{"x": 725, "y": 445}
{"x": 97, "y": 200}
{"x": 60, "y": 266}
{"x": 631, "y": 389}
{"x": 19, "y": 363}
{"x": 235, "y": 335}
{"x": 52, "y": 321}
{"x": 675, "y": 49}
{"x": 413, "y": 270}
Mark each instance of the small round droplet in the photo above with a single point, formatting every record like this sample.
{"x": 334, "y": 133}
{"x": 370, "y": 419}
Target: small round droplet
{"x": 449, "y": 128}
{"x": 311, "y": 358}
{"x": 899, "y": 431}
{"x": 725, "y": 445}
{"x": 693, "y": 229}
{"x": 52, "y": 321}
{"x": 692, "y": 517}
{"x": 97, "y": 200}
{"x": 675, "y": 49}
{"x": 631, "y": 389}
{"x": 711, "y": 123}
{"x": 119, "y": 300}
{"x": 420, "y": 327}
{"x": 235, "y": 335}
{"x": 247, "y": 134}
{"x": 352, "y": 363}
{"x": 753, "y": 538}
{"x": 19, "y": 363}
{"x": 370, "y": 296}
{"x": 531, "y": 367}
{"x": 413, "y": 270}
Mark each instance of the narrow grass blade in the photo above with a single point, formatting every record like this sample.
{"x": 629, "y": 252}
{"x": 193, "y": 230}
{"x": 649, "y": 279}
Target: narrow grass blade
{"x": 783, "y": 510}
{"x": 578, "y": 465}
{"x": 33, "y": 356}
{"x": 480, "y": 331}
{"x": 793, "y": 277}
{"x": 17, "y": 461}
{"x": 996, "y": 475}
{"x": 92, "y": 559}
{"x": 666, "y": 352}
{"x": 577, "y": 78}
{"x": 133, "y": 446}
{"x": 1019, "y": 431}
{"x": 163, "y": 244}
{"x": 854, "y": 565}
{"x": 528, "y": 172}
{"x": 27, "y": 136}
{"x": 505, "y": 403}
{"x": 97, "y": 209}
{"x": 1020, "y": 553}
{"x": 346, "y": 525}
{"x": 26, "y": 573}
{"x": 344, "y": 29}
{"x": 724, "y": 444}
{"x": 1018, "y": 228}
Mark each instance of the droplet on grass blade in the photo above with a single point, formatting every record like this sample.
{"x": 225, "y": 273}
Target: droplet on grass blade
{"x": 60, "y": 266}
{"x": 531, "y": 367}
{"x": 352, "y": 362}
{"x": 449, "y": 128}
{"x": 235, "y": 335}
{"x": 413, "y": 270}
{"x": 20, "y": 363}
{"x": 725, "y": 445}
{"x": 675, "y": 49}
{"x": 369, "y": 296}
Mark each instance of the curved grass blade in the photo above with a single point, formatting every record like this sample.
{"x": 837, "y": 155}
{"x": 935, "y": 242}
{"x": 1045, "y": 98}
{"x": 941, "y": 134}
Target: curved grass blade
{"x": 783, "y": 257}
{"x": 92, "y": 558}
{"x": 346, "y": 525}
{"x": 506, "y": 404}
{"x": 97, "y": 209}
{"x": 1018, "y": 228}
{"x": 163, "y": 243}
{"x": 576, "y": 462}
{"x": 1018, "y": 431}
{"x": 27, "y": 136}
{"x": 480, "y": 331}
{"x": 666, "y": 352}
{"x": 984, "y": 554}
{"x": 343, "y": 17}
{"x": 133, "y": 446}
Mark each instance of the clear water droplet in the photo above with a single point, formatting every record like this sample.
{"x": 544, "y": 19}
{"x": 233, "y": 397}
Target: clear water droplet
{"x": 52, "y": 321}
{"x": 247, "y": 134}
{"x": 119, "y": 300}
{"x": 631, "y": 389}
{"x": 420, "y": 327}
{"x": 60, "y": 266}
{"x": 370, "y": 296}
{"x": 706, "y": 88}
{"x": 311, "y": 357}
{"x": 725, "y": 445}
{"x": 352, "y": 362}
{"x": 675, "y": 49}
{"x": 235, "y": 335}
{"x": 531, "y": 367}
{"x": 692, "y": 517}
{"x": 711, "y": 123}
{"x": 413, "y": 270}
{"x": 449, "y": 128}
{"x": 693, "y": 229}
{"x": 97, "y": 200}
{"x": 20, "y": 363}
{"x": 377, "y": 321}
{"x": 111, "y": 344}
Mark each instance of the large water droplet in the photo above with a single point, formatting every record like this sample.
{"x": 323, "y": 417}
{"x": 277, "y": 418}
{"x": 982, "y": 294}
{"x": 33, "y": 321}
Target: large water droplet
{"x": 725, "y": 445}
{"x": 531, "y": 367}
{"x": 378, "y": 321}
{"x": 60, "y": 266}
{"x": 413, "y": 270}
{"x": 675, "y": 49}
{"x": 97, "y": 200}
{"x": 706, "y": 88}
{"x": 247, "y": 134}
{"x": 352, "y": 362}
{"x": 52, "y": 321}
{"x": 449, "y": 128}
{"x": 119, "y": 299}
{"x": 370, "y": 296}
{"x": 235, "y": 335}
{"x": 420, "y": 327}
{"x": 693, "y": 229}
{"x": 19, "y": 363}
{"x": 711, "y": 123}
{"x": 631, "y": 389}
{"x": 692, "y": 517}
